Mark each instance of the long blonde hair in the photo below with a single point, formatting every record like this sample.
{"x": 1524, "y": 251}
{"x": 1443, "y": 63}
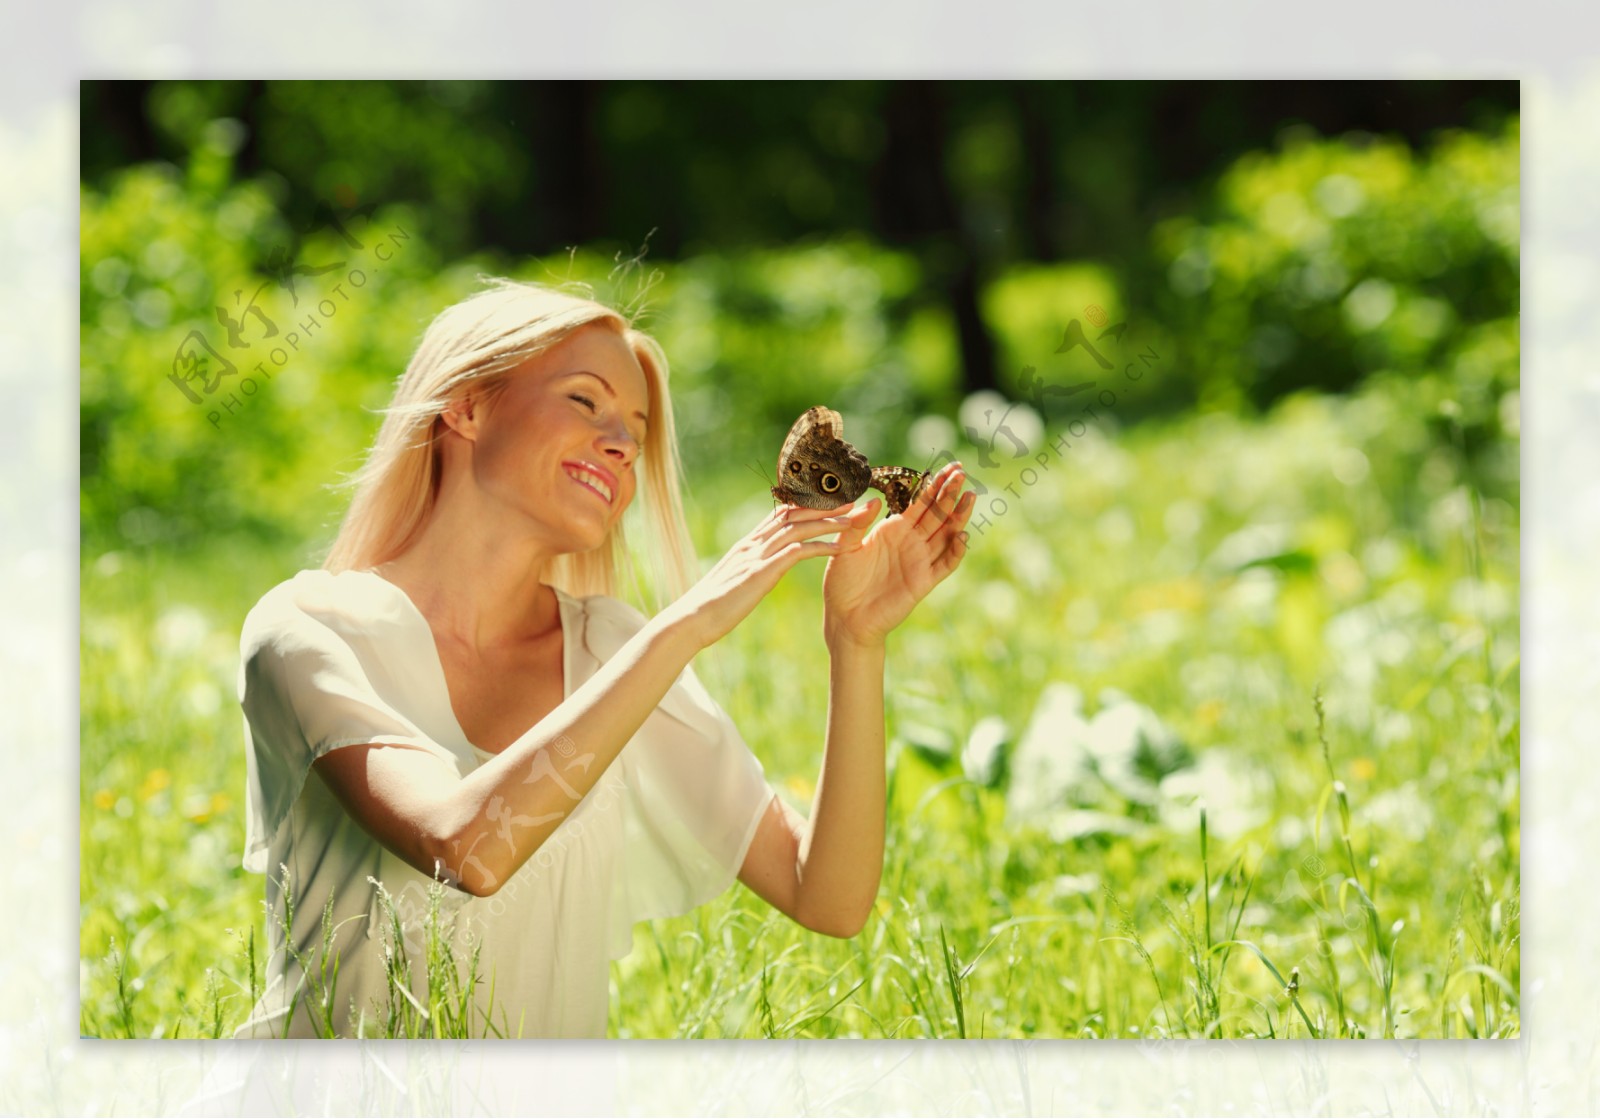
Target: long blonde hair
{"x": 478, "y": 343}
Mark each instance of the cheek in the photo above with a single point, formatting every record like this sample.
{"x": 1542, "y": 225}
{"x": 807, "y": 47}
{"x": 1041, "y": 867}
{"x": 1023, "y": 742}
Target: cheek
{"x": 630, "y": 490}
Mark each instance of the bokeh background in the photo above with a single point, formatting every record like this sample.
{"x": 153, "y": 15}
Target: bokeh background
{"x": 1229, "y": 684}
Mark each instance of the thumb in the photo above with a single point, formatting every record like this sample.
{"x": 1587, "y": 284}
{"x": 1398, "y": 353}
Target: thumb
{"x": 860, "y": 519}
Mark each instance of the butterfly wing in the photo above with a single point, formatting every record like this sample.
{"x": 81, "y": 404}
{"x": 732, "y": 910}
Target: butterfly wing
{"x": 817, "y": 469}
{"x": 827, "y": 423}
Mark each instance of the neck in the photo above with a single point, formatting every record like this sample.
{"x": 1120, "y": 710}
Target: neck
{"x": 479, "y": 585}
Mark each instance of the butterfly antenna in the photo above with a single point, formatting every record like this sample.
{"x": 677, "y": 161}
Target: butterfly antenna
{"x": 762, "y": 474}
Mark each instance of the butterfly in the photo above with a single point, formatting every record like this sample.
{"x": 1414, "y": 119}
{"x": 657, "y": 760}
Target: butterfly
{"x": 819, "y": 470}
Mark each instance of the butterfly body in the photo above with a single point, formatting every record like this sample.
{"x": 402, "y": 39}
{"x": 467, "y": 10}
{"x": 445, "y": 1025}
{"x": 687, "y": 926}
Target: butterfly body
{"x": 819, "y": 470}
{"x": 898, "y": 484}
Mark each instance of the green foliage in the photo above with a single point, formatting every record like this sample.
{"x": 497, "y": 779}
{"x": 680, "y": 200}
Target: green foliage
{"x": 1324, "y": 264}
{"x": 259, "y": 449}
{"x": 764, "y": 335}
{"x": 1028, "y": 309}
{"x": 1327, "y": 262}
{"x": 758, "y": 336}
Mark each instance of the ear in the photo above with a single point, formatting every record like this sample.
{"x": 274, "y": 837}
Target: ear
{"x": 463, "y": 414}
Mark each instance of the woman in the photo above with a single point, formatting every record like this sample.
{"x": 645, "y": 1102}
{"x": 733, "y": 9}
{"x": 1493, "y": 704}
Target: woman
{"x": 477, "y": 708}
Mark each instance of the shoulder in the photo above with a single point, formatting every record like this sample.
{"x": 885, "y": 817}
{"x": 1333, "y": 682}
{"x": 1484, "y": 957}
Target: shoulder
{"x": 607, "y": 623}
{"x": 314, "y": 602}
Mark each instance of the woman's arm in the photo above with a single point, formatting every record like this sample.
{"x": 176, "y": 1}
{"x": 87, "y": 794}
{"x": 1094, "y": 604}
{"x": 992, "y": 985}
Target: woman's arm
{"x": 824, "y": 872}
{"x": 476, "y": 831}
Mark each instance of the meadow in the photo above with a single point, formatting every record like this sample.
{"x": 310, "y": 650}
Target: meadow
{"x": 1214, "y": 734}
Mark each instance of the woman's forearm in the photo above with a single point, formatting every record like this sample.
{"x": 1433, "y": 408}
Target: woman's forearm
{"x": 501, "y": 813}
{"x": 841, "y": 854}
{"x": 495, "y": 818}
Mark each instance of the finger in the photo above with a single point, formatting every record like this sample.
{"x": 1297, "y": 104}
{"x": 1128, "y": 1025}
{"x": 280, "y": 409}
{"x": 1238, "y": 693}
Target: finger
{"x": 790, "y": 515}
{"x": 859, "y": 521}
{"x": 805, "y": 530}
{"x": 791, "y": 554}
{"x": 961, "y": 513}
{"x": 925, "y": 493}
{"x": 794, "y": 514}
{"x": 862, "y": 516}
{"x": 954, "y": 474}
{"x": 957, "y": 543}
{"x": 951, "y": 557}
{"x": 941, "y": 502}
{"x": 952, "y": 530}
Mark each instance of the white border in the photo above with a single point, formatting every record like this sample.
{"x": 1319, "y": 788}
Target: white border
{"x": 45, "y": 1069}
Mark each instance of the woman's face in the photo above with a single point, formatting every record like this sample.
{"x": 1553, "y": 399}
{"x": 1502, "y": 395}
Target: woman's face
{"x": 559, "y": 444}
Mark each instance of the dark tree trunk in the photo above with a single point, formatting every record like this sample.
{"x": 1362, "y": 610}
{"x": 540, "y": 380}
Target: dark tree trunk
{"x": 116, "y": 127}
{"x": 916, "y": 208}
{"x": 247, "y": 164}
{"x": 567, "y": 188}
{"x": 1039, "y": 217}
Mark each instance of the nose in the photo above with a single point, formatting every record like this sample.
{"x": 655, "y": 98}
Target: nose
{"x": 616, "y": 444}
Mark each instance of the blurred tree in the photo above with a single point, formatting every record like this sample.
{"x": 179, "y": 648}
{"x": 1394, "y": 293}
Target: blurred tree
{"x": 917, "y": 207}
{"x": 973, "y": 178}
{"x": 1081, "y": 169}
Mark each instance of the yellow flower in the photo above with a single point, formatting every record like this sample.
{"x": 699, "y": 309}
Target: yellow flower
{"x": 199, "y": 808}
{"x": 105, "y": 799}
{"x": 1363, "y": 769}
{"x": 1210, "y": 712}
{"x": 154, "y": 782}
{"x": 801, "y": 787}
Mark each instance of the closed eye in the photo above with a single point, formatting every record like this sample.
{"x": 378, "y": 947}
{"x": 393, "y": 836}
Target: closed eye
{"x": 590, "y": 404}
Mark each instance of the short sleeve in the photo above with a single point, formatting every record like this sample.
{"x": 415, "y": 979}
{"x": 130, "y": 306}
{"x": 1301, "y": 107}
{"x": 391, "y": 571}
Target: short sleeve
{"x": 693, "y": 795}
{"x": 304, "y": 692}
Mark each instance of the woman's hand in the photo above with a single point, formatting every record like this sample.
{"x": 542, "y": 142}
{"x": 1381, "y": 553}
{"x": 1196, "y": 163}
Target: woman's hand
{"x": 752, "y": 567}
{"x": 869, "y": 590}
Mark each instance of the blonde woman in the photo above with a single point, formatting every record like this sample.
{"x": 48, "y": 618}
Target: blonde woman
{"x": 456, "y": 694}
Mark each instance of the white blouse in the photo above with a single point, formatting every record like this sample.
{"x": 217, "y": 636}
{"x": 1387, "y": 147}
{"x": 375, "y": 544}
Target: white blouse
{"x": 330, "y": 660}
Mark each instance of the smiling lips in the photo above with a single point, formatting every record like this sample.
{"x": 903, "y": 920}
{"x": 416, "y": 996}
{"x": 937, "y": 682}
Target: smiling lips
{"x": 591, "y": 478}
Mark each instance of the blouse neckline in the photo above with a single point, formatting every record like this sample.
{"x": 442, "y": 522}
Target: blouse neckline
{"x": 565, "y": 604}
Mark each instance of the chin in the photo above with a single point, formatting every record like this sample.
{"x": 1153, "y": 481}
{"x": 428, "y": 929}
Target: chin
{"x": 588, "y": 534}
{"x": 586, "y": 540}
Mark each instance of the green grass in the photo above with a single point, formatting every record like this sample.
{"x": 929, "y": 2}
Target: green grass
{"x": 1318, "y": 608}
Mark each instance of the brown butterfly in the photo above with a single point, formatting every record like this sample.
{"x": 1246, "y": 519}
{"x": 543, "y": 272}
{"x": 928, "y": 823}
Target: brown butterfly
{"x": 819, "y": 470}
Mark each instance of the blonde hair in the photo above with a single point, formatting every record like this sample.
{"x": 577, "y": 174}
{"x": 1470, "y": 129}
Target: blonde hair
{"x": 477, "y": 344}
